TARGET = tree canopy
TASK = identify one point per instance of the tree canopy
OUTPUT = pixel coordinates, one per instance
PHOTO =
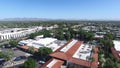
(31, 49)
(88, 36)
(30, 63)
(13, 43)
(6, 55)
(46, 33)
(44, 51)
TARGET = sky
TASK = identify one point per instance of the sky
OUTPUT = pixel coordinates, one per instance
(61, 9)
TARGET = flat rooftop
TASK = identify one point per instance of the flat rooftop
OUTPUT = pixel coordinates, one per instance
(116, 49)
(68, 46)
(52, 43)
(83, 52)
(116, 45)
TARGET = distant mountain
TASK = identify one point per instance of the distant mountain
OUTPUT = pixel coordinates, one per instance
(24, 19)
(47, 19)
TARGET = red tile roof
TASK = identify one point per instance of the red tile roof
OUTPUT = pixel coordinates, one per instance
(27, 47)
(95, 56)
(68, 55)
(24, 47)
(58, 64)
(115, 53)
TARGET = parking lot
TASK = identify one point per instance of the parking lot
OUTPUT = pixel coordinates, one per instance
(17, 64)
(16, 53)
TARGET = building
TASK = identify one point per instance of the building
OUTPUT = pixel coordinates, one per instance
(74, 54)
(98, 36)
(52, 43)
(116, 49)
(17, 32)
(90, 28)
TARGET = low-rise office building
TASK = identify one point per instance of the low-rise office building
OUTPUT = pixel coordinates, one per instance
(52, 43)
(74, 54)
(17, 32)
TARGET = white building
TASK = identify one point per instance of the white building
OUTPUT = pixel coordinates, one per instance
(21, 32)
(52, 43)
(116, 45)
(17, 32)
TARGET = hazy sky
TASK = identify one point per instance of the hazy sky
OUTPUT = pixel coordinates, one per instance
(61, 9)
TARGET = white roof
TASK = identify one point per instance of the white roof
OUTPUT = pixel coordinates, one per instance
(40, 36)
(99, 36)
(116, 45)
(54, 46)
(68, 46)
(83, 51)
(29, 41)
(51, 63)
(45, 41)
(42, 41)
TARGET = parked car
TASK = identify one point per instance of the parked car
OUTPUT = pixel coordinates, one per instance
(1, 61)
(4, 63)
(41, 62)
(15, 49)
(19, 58)
(8, 46)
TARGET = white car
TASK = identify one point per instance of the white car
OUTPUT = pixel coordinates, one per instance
(41, 62)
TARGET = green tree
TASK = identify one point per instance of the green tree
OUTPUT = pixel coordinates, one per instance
(44, 51)
(8, 55)
(32, 35)
(110, 64)
(13, 43)
(109, 36)
(88, 36)
(30, 63)
(1, 55)
(31, 49)
(46, 33)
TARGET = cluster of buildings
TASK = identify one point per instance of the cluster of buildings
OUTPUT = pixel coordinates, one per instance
(73, 54)
(12, 33)
(17, 32)
(52, 43)
(100, 30)
(96, 30)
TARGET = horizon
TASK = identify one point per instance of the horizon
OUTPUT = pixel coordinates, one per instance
(104, 10)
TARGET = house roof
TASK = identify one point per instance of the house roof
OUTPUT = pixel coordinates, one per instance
(95, 56)
(68, 55)
(57, 64)
(115, 53)
(27, 47)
